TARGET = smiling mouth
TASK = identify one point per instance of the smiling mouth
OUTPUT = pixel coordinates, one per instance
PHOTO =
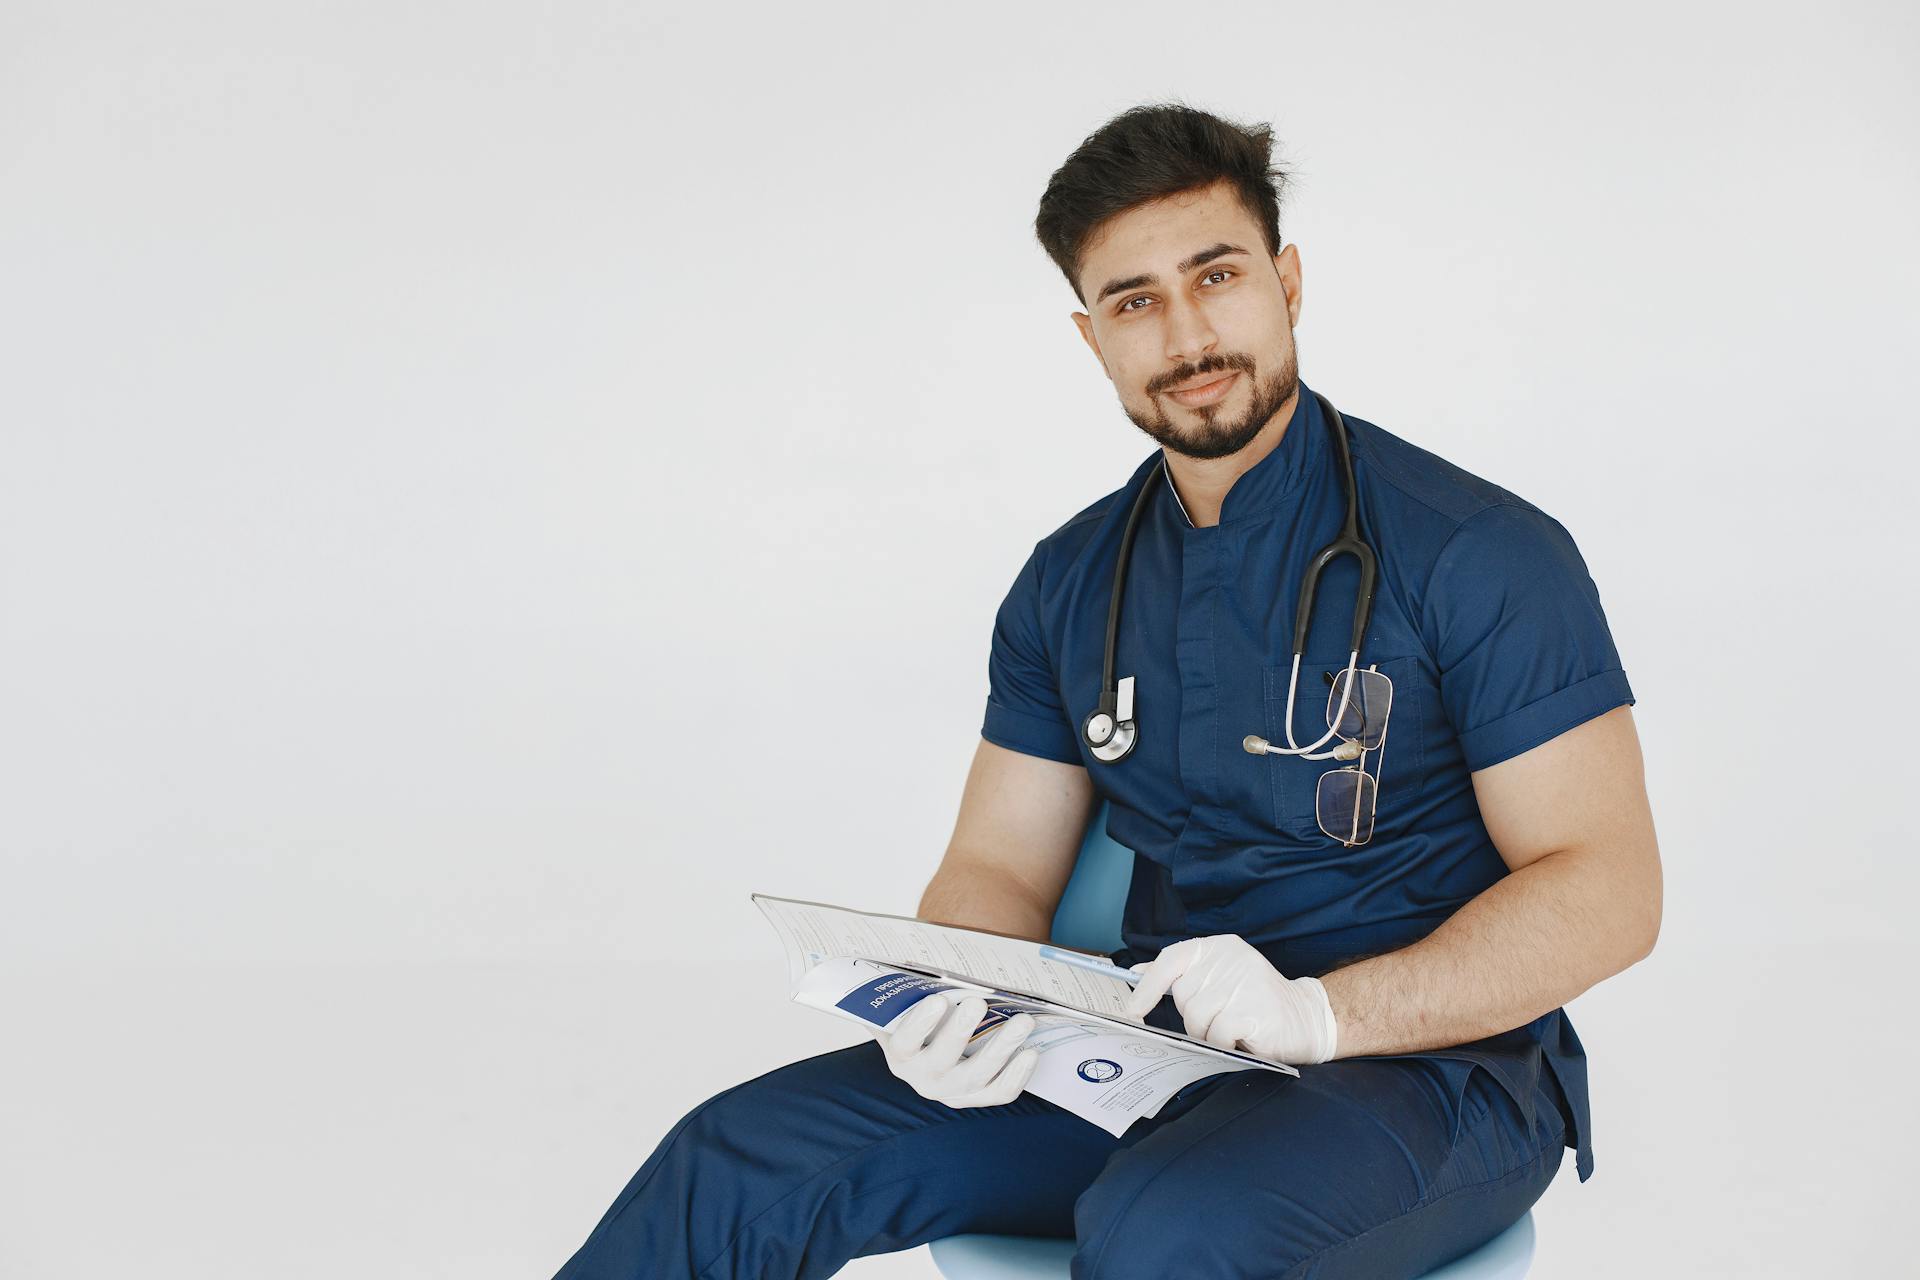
(1208, 392)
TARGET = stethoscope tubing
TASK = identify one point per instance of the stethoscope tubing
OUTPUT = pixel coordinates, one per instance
(1110, 731)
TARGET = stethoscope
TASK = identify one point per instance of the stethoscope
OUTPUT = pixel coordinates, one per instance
(1110, 731)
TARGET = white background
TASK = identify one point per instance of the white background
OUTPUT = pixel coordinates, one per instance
(484, 488)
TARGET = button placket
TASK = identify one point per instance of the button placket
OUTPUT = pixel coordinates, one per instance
(1194, 656)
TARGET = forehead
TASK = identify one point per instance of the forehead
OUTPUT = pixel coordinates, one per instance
(1151, 237)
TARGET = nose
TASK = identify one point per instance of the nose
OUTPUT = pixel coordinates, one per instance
(1190, 334)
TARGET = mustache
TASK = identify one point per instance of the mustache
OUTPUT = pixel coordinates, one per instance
(1188, 372)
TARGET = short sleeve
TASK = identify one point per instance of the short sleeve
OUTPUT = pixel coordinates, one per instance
(1023, 697)
(1515, 626)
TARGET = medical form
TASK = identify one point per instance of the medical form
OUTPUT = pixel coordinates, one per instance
(1092, 1060)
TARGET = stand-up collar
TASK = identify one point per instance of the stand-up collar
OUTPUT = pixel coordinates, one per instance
(1274, 478)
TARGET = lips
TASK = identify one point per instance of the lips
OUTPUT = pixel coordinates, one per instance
(1208, 391)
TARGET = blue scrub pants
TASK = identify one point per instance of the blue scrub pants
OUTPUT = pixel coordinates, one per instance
(1366, 1167)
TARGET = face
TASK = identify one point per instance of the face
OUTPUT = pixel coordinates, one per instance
(1180, 293)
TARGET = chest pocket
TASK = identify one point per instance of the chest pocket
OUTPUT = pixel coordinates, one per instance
(1401, 763)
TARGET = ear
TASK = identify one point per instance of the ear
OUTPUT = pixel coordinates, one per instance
(1286, 265)
(1084, 323)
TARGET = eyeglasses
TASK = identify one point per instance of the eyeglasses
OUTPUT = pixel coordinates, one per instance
(1344, 800)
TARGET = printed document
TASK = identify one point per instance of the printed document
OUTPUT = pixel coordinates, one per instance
(1094, 1061)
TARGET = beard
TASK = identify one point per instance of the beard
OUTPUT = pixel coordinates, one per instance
(1215, 437)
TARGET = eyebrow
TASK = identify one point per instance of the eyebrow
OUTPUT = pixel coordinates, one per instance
(1220, 250)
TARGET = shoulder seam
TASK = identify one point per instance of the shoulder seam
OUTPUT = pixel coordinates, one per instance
(1386, 477)
(1368, 454)
(1517, 503)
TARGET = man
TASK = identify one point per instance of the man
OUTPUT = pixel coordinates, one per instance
(1414, 974)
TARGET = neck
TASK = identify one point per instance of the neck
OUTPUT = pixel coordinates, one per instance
(1202, 483)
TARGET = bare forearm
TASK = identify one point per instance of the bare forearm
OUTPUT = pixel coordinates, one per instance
(1531, 942)
(977, 898)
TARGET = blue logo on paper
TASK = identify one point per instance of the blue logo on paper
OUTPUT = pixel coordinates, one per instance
(1099, 1070)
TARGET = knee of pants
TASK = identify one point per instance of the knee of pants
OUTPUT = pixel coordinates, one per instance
(1188, 1218)
(782, 1121)
(763, 1125)
(723, 1163)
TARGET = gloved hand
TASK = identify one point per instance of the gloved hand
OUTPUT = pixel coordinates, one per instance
(1232, 998)
(934, 1066)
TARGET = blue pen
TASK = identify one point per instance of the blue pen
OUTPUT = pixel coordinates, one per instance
(1090, 964)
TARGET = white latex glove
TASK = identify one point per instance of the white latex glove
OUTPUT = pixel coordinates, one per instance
(934, 1066)
(1232, 998)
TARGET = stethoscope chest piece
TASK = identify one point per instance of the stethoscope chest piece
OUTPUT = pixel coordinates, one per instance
(1110, 731)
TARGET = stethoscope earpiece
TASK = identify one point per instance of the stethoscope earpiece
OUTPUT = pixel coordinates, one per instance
(1255, 745)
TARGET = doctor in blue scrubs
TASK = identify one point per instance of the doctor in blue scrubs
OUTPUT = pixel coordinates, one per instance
(1413, 966)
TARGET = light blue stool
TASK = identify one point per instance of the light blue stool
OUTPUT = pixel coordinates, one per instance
(1089, 918)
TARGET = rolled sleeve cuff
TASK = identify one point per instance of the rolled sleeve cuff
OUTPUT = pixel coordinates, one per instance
(1029, 734)
(1544, 719)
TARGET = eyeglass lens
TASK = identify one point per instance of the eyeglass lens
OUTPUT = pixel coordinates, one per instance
(1344, 804)
(1365, 718)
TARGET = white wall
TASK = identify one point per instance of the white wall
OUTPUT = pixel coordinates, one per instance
(484, 488)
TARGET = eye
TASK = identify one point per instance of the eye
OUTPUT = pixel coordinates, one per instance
(1128, 304)
(1218, 271)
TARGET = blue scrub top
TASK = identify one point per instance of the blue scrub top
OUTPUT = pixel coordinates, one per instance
(1484, 618)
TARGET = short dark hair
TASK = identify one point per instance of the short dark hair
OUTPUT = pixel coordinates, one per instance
(1147, 153)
